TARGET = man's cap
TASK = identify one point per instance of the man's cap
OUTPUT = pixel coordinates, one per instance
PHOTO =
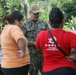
(34, 9)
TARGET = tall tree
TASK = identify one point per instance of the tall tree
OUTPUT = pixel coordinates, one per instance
(26, 8)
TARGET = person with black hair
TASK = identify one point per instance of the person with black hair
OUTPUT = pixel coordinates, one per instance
(55, 62)
(15, 60)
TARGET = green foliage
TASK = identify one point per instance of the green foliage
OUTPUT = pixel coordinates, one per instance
(68, 7)
(16, 5)
(1, 11)
(45, 8)
(7, 6)
(70, 24)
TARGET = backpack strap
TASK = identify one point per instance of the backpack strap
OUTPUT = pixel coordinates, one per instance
(56, 43)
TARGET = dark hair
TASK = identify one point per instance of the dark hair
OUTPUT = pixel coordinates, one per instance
(4, 19)
(55, 17)
(11, 18)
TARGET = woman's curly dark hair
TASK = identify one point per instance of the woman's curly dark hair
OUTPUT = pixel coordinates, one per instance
(55, 17)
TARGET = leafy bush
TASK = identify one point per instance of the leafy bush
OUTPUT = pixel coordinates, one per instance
(70, 24)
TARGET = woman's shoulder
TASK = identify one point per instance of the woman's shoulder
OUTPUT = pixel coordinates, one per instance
(42, 32)
(71, 34)
(13, 27)
(72, 31)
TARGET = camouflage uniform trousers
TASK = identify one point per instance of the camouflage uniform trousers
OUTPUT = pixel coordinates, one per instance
(36, 63)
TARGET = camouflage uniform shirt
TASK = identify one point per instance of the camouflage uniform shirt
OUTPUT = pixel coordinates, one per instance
(31, 29)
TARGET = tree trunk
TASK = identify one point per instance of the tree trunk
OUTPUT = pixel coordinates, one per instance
(26, 8)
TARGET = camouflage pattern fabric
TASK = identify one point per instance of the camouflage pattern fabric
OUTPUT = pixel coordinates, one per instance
(30, 30)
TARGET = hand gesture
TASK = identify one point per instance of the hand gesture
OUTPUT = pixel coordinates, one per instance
(20, 53)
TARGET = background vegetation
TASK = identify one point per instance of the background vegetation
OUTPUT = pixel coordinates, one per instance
(68, 7)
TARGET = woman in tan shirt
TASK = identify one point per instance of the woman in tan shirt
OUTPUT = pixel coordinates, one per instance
(15, 59)
(1, 73)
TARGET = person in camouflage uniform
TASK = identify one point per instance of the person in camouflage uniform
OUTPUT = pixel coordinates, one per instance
(31, 27)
